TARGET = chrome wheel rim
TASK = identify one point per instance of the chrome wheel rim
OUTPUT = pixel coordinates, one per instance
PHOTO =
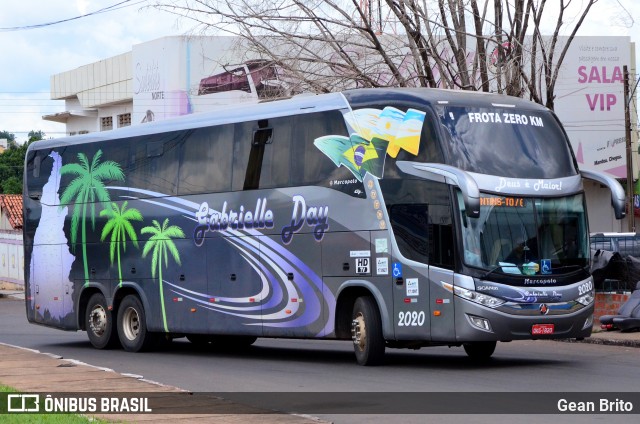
(359, 332)
(98, 320)
(130, 323)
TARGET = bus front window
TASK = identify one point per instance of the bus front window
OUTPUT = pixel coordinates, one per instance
(530, 236)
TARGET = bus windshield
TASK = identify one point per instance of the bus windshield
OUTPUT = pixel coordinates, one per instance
(529, 236)
(506, 141)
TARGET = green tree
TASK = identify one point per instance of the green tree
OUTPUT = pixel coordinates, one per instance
(11, 165)
(161, 244)
(12, 185)
(119, 226)
(86, 188)
(35, 136)
(9, 136)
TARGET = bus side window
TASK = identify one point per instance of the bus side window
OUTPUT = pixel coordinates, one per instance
(267, 158)
(154, 160)
(410, 224)
(309, 166)
(441, 241)
(262, 137)
(38, 172)
(276, 168)
(206, 161)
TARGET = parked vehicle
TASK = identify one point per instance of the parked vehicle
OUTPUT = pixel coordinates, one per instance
(627, 244)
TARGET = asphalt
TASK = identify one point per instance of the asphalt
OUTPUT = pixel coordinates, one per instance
(31, 371)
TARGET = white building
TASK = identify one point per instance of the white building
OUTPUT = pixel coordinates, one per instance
(174, 76)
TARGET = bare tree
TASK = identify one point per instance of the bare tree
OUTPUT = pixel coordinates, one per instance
(329, 45)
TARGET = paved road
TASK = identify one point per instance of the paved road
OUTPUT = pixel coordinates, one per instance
(294, 366)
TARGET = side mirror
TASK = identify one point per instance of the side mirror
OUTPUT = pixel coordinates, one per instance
(618, 197)
(449, 175)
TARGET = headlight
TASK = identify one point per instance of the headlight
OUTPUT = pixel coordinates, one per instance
(586, 299)
(474, 296)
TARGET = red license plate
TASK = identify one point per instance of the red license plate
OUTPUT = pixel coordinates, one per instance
(542, 329)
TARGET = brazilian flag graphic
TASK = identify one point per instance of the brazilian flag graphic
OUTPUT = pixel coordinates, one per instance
(356, 153)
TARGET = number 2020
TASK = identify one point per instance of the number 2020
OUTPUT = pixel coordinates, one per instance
(411, 319)
(585, 288)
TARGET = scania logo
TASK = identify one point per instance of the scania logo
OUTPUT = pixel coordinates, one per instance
(544, 309)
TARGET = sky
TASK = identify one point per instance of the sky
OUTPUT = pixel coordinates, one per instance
(29, 57)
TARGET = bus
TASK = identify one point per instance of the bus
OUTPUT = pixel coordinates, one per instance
(394, 218)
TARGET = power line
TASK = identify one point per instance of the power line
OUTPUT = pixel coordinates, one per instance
(113, 7)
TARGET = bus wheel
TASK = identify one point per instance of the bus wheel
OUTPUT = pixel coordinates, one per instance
(99, 323)
(132, 326)
(366, 332)
(479, 350)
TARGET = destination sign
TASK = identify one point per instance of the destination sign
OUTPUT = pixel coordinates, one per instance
(513, 202)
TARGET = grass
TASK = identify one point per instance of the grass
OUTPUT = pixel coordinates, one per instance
(44, 417)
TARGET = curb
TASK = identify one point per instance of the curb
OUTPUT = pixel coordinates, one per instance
(606, 341)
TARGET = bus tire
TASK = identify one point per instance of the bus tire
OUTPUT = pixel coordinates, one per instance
(99, 323)
(132, 326)
(479, 351)
(366, 332)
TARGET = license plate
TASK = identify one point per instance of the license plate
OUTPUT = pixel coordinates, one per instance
(542, 329)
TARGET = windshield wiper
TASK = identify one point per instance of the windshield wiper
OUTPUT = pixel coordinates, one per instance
(491, 271)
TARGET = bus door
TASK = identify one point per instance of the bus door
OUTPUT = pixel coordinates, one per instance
(409, 271)
(424, 235)
(410, 300)
(441, 304)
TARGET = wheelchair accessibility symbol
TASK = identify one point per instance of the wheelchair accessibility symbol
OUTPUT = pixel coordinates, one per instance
(546, 266)
(397, 270)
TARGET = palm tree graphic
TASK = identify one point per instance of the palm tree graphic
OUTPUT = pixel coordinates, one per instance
(119, 226)
(85, 189)
(161, 244)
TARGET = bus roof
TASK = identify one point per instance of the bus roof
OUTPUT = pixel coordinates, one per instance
(412, 97)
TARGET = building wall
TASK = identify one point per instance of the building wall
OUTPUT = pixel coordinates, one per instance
(599, 211)
(97, 84)
(607, 304)
(11, 260)
(114, 112)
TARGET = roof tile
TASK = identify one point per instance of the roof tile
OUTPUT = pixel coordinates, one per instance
(11, 204)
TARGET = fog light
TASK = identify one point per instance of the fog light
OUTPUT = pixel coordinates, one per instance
(588, 322)
(480, 323)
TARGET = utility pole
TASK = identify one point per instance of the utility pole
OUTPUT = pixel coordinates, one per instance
(627, 135)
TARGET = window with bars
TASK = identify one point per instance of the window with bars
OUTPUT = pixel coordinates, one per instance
(106, 123)
(124, 120)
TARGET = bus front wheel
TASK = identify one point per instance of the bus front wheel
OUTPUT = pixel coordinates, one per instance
(99, 323)
(132, 326)
(366, 332)
(479, 350)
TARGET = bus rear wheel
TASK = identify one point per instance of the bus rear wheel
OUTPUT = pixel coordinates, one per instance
(99, 323)
(366, 332)
(132, 326)
(480, 351)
